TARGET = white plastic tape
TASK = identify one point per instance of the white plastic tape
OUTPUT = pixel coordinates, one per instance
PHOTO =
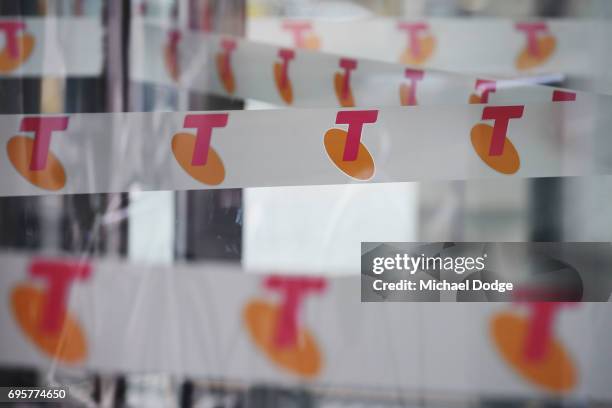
(97, 153)
(472, 45)
(231, 66)
(212, 320)
(50, 46)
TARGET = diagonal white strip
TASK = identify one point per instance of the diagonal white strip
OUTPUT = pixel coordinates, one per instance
(311, 74)
(469, 45)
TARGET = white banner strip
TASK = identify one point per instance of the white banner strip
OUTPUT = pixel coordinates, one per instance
(473, 45)
(50, 46)
(214, 321)
(234, 67)
(97, 153)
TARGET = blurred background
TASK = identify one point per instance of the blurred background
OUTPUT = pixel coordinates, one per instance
(288, 229)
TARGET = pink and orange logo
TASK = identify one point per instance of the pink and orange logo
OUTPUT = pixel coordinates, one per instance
(171, 54)
(530, 347)
(42, 315)
(421, 43)
(194, 152)
(224, 65)
(492, 144)
(342, 82)
(18, 47)
(276, 330)
(32, 158)
(483, 89)
(281, 75)
(540, 47)
(408, 91)
(344, 147)
(303, 35)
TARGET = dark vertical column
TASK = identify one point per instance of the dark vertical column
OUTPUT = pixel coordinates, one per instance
(546, 209)
(119, 400)
(19, 219)
(80, 211)
(552, 8)
(213, 218)
(546, 194)
(209, 222)
(186, 394)
(81, 226)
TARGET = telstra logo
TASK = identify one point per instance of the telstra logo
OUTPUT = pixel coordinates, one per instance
(342, 82)
(529, 346)
(540, 45)
(194, 153)
(303, 37)
(18, 47)
(171, 57)
(491, 143)
(276, 330)
(224, 65)
(345, 149)
(421, 44)
(483, 89)
(408, 91)
(42, 314)
(32, 158)
(281, 75)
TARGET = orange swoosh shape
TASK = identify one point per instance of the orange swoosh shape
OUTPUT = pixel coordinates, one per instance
(19, 150)
(554, 372)
(212, 173)
(285, 92)
(360, 169)
(427, 44)
(507, 163)
(546, 44)
(26, 46)
(347, 102)
(229, 84)
(67, 345)
(302, 358)
(171, 63)
(404, 91)
(312, 42)
(475, 99)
